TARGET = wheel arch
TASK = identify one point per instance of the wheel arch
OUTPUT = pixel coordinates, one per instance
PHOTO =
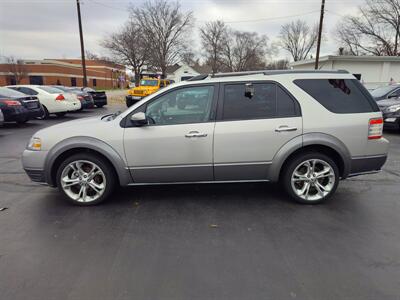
(75, 145)
(318, 142)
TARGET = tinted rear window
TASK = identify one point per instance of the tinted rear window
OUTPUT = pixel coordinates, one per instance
(343, 96)
(269, 101)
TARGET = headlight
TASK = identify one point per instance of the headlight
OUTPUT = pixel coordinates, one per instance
(34, 144)
(393, 108)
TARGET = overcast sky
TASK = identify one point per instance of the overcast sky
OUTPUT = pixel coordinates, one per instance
(48, 28)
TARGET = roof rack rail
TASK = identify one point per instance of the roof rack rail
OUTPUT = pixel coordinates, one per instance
(278, 72)
(198, 77)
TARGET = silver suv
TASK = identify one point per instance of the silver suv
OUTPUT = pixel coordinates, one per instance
(306, 129)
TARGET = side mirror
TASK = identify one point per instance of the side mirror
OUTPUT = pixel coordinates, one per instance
(249, 90)
(139, 119)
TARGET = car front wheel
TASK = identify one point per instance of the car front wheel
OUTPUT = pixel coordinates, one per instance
(311, 178)
(85, 179)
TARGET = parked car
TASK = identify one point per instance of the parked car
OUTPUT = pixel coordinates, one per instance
(147, 86)
(386, 92)
(99, 97)
(53, 100)
(18, 107)
(1, 117)
(306, 129)
(85, 98)
(391, 112)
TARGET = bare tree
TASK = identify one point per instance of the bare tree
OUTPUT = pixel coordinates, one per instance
(166, 29)
(214, 36)
(281, 64)
(129, 47)
(16, 68)
(376, 29)
(298, 38)
(244, 51)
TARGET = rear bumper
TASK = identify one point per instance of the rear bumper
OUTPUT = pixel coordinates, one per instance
(87, 104)
(100, 101)
(130, 100)
(35, 113)
(15, 114)
(366, 164)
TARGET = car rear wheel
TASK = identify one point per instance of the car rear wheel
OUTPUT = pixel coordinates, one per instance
(311, 178)
(99, 105)
(85, 179)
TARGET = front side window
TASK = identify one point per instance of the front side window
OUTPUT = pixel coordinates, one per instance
(27, 91)
(269, 100)
(338, 95)
(183, 106)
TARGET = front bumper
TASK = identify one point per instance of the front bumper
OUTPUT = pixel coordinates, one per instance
(130, 100)
(33, 163)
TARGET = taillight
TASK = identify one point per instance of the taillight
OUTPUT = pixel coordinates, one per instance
(60, 97)
(375, 128)
(11, 102)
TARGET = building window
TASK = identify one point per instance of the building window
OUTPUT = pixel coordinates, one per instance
(36, 80)
(73, 81)
(94, 82)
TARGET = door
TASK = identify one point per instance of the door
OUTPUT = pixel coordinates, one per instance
(176, 145)
(254, 121)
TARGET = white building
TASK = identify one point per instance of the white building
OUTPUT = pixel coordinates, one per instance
(374, 71)
(181, 72)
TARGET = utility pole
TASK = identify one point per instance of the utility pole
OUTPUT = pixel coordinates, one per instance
(321, 20)
(78, 7)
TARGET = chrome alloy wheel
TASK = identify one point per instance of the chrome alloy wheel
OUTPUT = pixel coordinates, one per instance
(313, 179)
(83, 181)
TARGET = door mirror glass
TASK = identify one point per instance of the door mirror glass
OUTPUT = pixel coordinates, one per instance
(139, 119)
(249, 91)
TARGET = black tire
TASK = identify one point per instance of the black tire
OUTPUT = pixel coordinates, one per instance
(61, 114)
(99, 105)
(293, 163)
(45, 114)
(105, 167)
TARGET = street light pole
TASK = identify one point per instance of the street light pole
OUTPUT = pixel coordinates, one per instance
(78, 7)
(321, 20)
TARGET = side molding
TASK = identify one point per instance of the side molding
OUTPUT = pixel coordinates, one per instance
(92, 144)
(305, 140)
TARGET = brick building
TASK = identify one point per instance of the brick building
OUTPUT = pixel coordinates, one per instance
(68, 72)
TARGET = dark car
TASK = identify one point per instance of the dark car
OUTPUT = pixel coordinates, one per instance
(1, 118)
(386, 92)
(391, 112)
(99, 98)
(18, 107)
(85, 98)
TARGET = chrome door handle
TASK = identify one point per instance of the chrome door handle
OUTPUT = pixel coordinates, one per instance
(285, 128)
(195, 134)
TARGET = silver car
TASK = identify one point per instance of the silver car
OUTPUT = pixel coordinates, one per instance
(1, 118)
(306, 129)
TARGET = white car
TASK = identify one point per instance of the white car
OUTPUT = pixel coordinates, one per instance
(53, 100)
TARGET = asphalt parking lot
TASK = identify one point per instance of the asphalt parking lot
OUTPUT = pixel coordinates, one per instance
(228, 241)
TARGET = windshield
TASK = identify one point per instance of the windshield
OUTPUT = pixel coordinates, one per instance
(147, 82)
(381, 91)
(5, 92)
(50, 89)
